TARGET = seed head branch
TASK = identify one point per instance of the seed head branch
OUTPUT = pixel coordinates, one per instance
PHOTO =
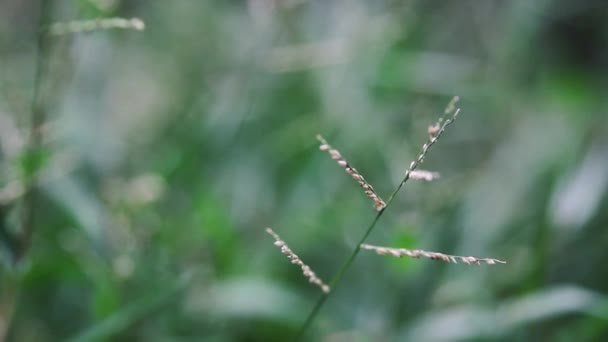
(306, 270)
(417, 253)
(79, 26)
(435, 131)
(379, 204)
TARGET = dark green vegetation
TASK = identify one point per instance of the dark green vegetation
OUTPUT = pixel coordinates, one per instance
(139, 169)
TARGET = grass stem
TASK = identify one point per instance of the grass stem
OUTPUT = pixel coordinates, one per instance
(38, 118)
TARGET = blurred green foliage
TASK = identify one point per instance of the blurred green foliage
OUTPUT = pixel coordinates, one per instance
(165, 153)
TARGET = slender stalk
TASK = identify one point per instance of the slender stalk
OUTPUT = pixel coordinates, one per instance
(336, 279)
(433, 137)
(38, 118)
(9, 299)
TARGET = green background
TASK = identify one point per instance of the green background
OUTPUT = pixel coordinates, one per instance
(164, 154)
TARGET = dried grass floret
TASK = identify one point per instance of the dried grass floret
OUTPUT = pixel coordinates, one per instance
(417, 253)
(306, 270)
(379, 204)
(424, 175)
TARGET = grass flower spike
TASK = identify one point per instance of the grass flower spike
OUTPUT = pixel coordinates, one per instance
(379, 204)
(434, 133)
(306, 270)
(417, 253)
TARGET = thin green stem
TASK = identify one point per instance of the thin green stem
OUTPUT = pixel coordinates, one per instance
(38, 117)
(9, 300)
(346, 265)
(336, 279)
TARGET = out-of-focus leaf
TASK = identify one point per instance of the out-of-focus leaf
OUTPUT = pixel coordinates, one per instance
(128, 315)
(470, 322)
(248, 298)
(81, 204)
